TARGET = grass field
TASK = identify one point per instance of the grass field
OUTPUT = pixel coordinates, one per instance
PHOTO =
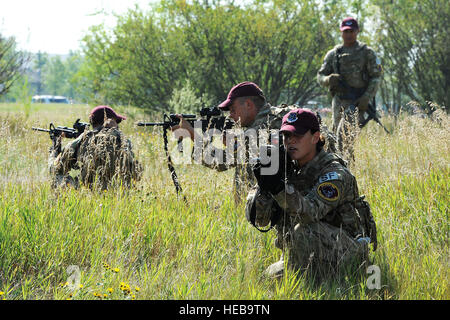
(145, 243)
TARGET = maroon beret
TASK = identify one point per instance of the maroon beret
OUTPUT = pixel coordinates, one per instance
(243, 89)
(300, 121)
(349, 23)
(101, 111)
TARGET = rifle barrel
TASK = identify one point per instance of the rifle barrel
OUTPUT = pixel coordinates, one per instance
(188, 116)
(149, 124)
(40, 129)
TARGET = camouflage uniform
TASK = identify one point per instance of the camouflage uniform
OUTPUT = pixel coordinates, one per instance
(361, 69)
(321, 224)
(268, 118)
(102, 156)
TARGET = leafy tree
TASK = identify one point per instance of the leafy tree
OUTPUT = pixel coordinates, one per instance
(12, 63)
(72, 66)
(138, 63)
(413, 38)
(212, 44)
(279, 45)
(185, 100)
(55, 79)
(40, 60)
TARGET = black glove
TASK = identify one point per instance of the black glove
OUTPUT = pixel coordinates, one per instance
(269, 176)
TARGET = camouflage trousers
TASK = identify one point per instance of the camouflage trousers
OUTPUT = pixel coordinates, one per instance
(322, 250)
(345, 126)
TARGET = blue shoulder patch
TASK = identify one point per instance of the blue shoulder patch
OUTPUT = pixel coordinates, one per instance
(329, 176)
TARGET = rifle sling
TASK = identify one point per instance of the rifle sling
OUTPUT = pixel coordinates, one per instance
(173, 174)
(273, 219)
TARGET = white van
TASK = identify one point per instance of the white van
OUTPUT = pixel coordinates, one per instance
(49, 99)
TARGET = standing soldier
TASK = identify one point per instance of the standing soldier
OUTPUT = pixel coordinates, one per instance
(352, 73)
(102, 155)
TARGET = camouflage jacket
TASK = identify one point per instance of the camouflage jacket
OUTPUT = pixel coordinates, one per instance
(323, 190)
(359, 67)
(100, 155)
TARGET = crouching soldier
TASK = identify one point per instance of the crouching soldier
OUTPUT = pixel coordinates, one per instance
(102, 155)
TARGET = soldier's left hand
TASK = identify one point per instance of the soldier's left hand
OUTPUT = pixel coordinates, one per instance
(362, 103)
(183, 125)
(272, 182)
(333, 81)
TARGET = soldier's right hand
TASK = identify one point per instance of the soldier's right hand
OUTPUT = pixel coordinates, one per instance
(269, 180)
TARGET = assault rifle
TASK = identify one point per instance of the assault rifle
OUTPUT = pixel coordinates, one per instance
(270, 182)
(371, 115)
(210, 118)
(55, 132)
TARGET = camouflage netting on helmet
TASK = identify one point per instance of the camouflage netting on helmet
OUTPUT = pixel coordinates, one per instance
(106, 159)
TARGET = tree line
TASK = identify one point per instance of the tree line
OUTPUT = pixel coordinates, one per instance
(44, 74)
(181, 55)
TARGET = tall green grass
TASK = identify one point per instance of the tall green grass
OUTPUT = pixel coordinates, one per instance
(162, 248)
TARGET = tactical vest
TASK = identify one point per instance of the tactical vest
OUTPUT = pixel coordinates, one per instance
(349, 92)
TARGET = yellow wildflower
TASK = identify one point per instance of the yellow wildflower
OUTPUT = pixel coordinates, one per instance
(125, 288)
(137, 289)
(116, 270)
(110, 290)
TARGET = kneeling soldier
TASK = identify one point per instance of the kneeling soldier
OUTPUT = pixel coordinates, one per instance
(102, 155)
(325, 224)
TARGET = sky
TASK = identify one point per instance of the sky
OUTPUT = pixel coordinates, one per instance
(57, 26)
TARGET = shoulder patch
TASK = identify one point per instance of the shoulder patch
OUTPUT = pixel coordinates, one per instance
(328, 191)
(329, 176)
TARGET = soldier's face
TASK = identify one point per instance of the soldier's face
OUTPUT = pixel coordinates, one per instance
(301, 147)
(349, 36)
(242, 111)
